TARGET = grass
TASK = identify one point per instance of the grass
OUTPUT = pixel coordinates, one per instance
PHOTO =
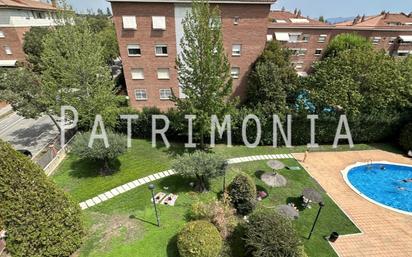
(134, 212)
(82, 180)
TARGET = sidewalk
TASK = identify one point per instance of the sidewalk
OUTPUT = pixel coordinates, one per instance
(5, 110)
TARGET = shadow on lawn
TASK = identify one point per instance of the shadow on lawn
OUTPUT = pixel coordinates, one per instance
(87, 169)
(175, 184)
(172, 247)
(142, 220)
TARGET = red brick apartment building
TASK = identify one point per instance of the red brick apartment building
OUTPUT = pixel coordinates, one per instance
(16, 18)
(307, 38)
(149, 33)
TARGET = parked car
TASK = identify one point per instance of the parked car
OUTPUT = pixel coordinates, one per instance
(26, 152)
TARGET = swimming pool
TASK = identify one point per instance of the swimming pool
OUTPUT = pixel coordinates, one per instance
(382, 183)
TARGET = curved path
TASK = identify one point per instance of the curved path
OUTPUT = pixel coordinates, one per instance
(143, 181)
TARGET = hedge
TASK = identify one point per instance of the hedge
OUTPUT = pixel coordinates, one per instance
(40, 219)
(199, 239)
(405, 138)
(242, 192)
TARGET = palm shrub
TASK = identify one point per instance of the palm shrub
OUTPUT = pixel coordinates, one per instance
(200, 165)
(199, 239)
(98, 151)
(269, 234)
(40, 219)
(242, 193)
(405, 138)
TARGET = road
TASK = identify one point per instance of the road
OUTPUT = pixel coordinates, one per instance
(27, 134)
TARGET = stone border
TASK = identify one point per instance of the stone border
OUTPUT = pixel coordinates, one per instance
(143, 181)
(346, 171)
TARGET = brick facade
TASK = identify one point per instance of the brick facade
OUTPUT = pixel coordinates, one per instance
(249, 31)
(13, 38)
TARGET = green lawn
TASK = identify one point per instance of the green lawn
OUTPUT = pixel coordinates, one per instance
(123, 226)
(82, 181)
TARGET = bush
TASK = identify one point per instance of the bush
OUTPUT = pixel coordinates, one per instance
(405, 138)
(268, 234)
(242, 192)
(99, 152)
(200, 165)
(40, 219)
(199, 239)
(220, 214)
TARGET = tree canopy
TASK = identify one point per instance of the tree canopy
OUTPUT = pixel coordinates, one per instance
(203, 68)
(347, 41)
(40, 219)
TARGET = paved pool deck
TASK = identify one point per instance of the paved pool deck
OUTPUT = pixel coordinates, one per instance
(384, 232)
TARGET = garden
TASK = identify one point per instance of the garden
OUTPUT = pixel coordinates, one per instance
(126, 224)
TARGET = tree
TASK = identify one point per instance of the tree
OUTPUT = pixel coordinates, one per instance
(322, 19)
(242, 193)
(203, 68)
(108, 40)
(405, 138)
(199, 239)
(347, 41)
(201, 166)
(33, 45)
(273, 82)
(268, 234)
(40, 219)
(108, 12)
(356, 82)
(73, 72)
(99, 152)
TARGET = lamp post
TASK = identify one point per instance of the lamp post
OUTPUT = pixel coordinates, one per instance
(152, 187)
(321, 205)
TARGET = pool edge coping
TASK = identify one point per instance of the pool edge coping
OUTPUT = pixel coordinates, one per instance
(345, 172)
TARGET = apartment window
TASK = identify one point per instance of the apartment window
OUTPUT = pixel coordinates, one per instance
(137, 73)
(2, 35)
(403, 53)
(161, 50)
(279, 21)
(163, 73)
(376, 40)
(236, 49)
(140, 94)
(305, 38)
(134, 50)
(165, 94)
(129, 22)
(236, 20)
(294, 37)
(8, 51)
(298, 51)
(392, 40)
(298, 65)
(159, 22)
(235, 71)
(318, 51)
(322, 38)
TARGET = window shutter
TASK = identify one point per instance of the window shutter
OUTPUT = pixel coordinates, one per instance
(159, 22)
(129, 22)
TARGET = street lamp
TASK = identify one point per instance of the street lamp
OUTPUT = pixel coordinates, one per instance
(152, 187)
(321, 205)
(224, 168)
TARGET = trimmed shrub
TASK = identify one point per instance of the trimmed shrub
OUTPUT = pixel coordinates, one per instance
(405, 138)
(199, 239)
(269, 234)
(242, 192)
(40, 219)
(220, 214)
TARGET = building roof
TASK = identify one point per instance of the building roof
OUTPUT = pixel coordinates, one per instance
(210, 1)
(26, 4)
(383, 20)
(289, 19)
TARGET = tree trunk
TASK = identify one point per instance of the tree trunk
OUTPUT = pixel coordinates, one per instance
(201, 185)
(55, 123)
(105, 169)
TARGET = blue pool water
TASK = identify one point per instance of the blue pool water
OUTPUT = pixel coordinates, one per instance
(383, 183)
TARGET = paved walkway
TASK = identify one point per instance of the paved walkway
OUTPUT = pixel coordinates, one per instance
(385, 232)
(143, 181)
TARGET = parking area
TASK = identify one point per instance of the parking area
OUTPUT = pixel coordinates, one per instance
(28, 134)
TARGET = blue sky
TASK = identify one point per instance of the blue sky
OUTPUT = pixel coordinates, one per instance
(313, 8)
